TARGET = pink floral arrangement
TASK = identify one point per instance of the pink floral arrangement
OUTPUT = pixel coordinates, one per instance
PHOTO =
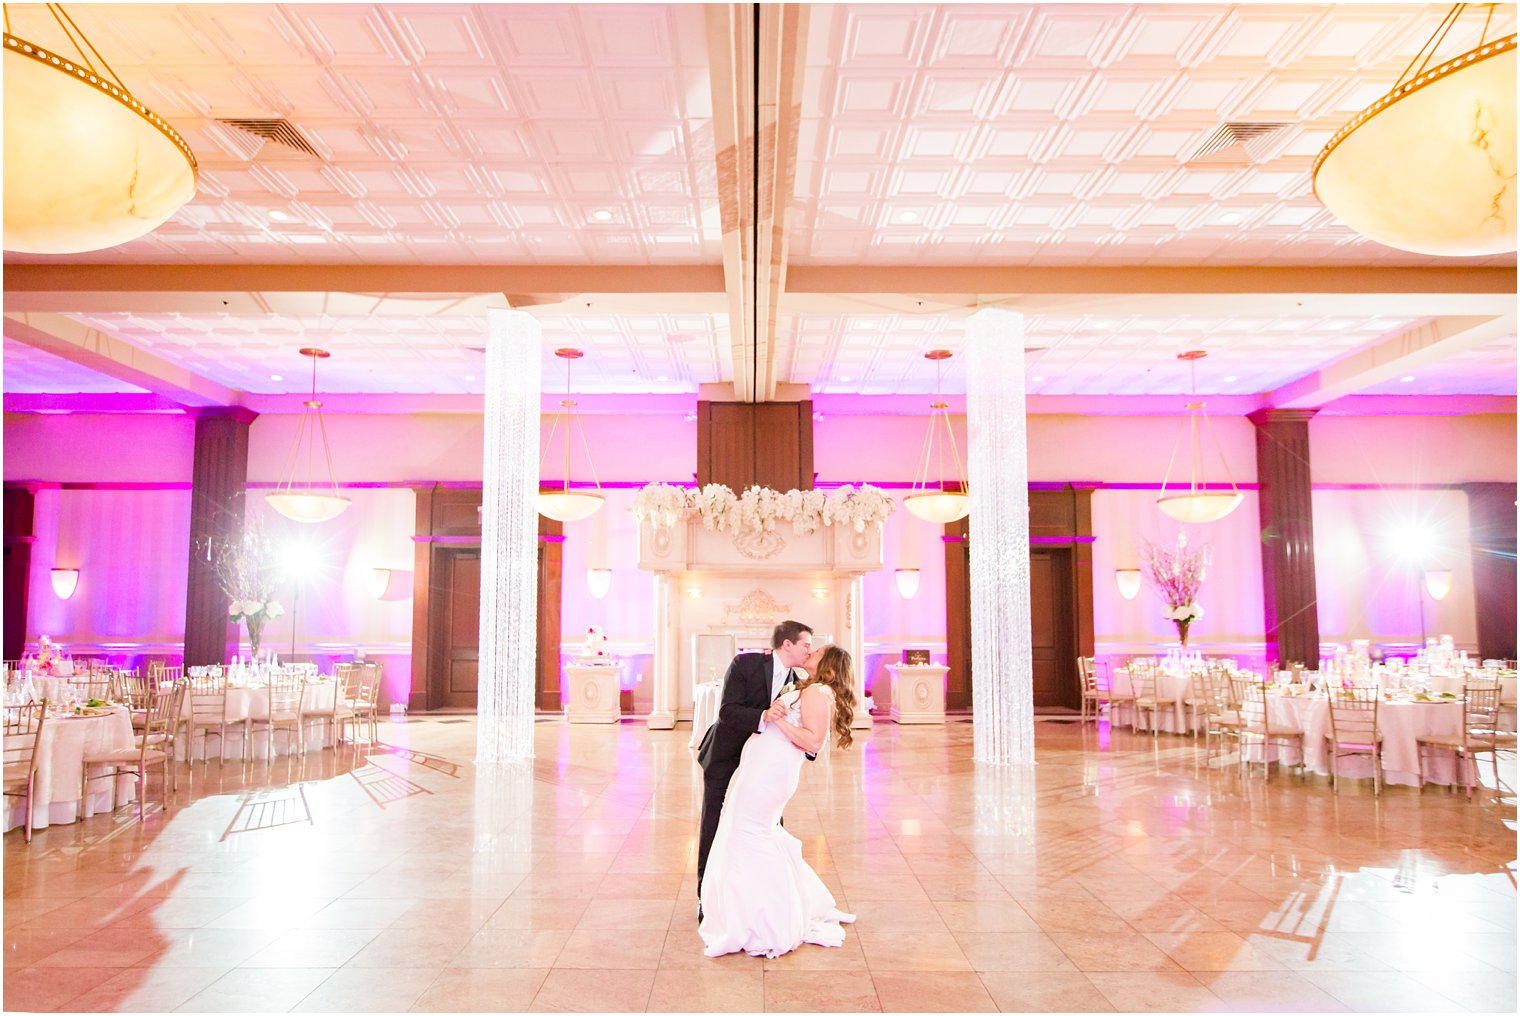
(1177, 575)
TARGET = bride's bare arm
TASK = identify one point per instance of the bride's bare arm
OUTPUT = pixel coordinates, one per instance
(817, 709)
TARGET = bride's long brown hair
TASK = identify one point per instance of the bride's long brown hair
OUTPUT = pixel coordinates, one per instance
(836, 673)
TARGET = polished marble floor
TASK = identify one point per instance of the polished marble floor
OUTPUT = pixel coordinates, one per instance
(1121, 873)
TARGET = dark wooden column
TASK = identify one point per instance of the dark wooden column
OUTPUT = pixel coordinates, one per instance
(1287, 535)
(740, 444)
(217, 486)
(1491, 518)
(20, 504)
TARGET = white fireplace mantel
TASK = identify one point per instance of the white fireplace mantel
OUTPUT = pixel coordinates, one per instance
(708, 581)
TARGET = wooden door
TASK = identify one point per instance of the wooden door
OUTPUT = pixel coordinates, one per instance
(456, 663)
(1050, 611)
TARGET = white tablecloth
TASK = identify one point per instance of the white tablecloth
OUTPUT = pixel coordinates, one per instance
(706, 700)
(60, 756)
(1401, 724)
(253, 704)
(1169, 685)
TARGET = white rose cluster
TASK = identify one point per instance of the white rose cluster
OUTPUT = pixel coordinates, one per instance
(761, 508)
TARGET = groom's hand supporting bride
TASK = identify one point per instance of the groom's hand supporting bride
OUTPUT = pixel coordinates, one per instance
(777, 711)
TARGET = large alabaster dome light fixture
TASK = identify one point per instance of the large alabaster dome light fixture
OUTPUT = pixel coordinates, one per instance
(1430, 167)
(1197, 503)
(87, 166)
(936, 503)
(566, 505)
(308, 503)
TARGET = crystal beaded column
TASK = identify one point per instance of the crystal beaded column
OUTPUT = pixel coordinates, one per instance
(1002, 664)
(509, 541)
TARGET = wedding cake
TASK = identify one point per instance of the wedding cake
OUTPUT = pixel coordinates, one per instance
(594, 650)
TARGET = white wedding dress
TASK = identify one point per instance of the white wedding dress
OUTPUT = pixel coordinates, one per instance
(758, 895)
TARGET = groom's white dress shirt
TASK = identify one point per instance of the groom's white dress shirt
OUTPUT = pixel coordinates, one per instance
(780, 673)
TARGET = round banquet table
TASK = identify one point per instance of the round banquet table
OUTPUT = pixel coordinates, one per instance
(707, 698)
(1169, 685)
(1400, 723)
(251, 703)
(60, 768)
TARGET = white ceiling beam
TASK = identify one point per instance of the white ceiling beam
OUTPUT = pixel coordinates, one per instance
(1398, 292)
(783, 39)
(731, 77)
(89, 347)
(1402, 352)
(370, 290)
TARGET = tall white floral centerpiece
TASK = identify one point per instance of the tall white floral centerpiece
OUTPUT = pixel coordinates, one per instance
(759, 509)
(1176, 574)
(247, 570)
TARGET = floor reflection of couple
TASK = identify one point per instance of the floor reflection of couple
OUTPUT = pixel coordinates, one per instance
(778, 709)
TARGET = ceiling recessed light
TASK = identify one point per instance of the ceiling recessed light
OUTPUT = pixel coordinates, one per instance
(1230, 217)
(1037, 379)
(276, 377)
(1407, 378)
(279, 216)
(602, 215)
(846, 378)
(662, 377)
(907, 217)
(1230, 379)
(469, 377)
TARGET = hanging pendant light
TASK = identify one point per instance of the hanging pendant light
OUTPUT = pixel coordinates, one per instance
(937, 504)
(566, 505)
(308, 503)
(1430, 167)
(1198, 504)
(87, 166)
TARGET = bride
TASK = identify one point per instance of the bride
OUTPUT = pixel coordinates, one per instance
(758, 895)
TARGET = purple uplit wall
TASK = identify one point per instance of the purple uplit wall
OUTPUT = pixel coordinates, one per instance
(130, 545)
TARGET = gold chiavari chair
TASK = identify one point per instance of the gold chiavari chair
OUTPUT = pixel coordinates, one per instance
(1222, 718)
(207, 715)
(1354, 731)
(23, 733)
(154, 748)
(1087, 670)
(91, 685)
(1479, 733)
(1256, 726)
(287, 702)
(1143, 677)
(366, 702)
(333, 716)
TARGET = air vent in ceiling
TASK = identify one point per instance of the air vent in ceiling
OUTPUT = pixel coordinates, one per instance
(1239, 142)
(278, 130)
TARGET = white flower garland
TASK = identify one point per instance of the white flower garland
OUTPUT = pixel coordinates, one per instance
(760, 508)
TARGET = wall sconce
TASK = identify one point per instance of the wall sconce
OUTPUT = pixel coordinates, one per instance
(907, 583)
(820, 592)
(65, 581)
(379, 582)
(598, 580)
(1128, 581)
(1437, 584)
(695, 592)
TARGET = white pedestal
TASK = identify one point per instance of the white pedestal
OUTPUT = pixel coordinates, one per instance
(594, 695)
(918, 693)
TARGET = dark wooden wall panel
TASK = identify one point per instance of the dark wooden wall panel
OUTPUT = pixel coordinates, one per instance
(217, 484)
(20, 509)
(1491, 515)
(1289, 596)
(1061, 519)
(741, 444)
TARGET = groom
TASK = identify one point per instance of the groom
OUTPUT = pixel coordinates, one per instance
(750, 688)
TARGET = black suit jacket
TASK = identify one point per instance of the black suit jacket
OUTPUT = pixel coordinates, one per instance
(746, 697)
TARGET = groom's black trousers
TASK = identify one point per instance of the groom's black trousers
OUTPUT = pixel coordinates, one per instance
(715, 780)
